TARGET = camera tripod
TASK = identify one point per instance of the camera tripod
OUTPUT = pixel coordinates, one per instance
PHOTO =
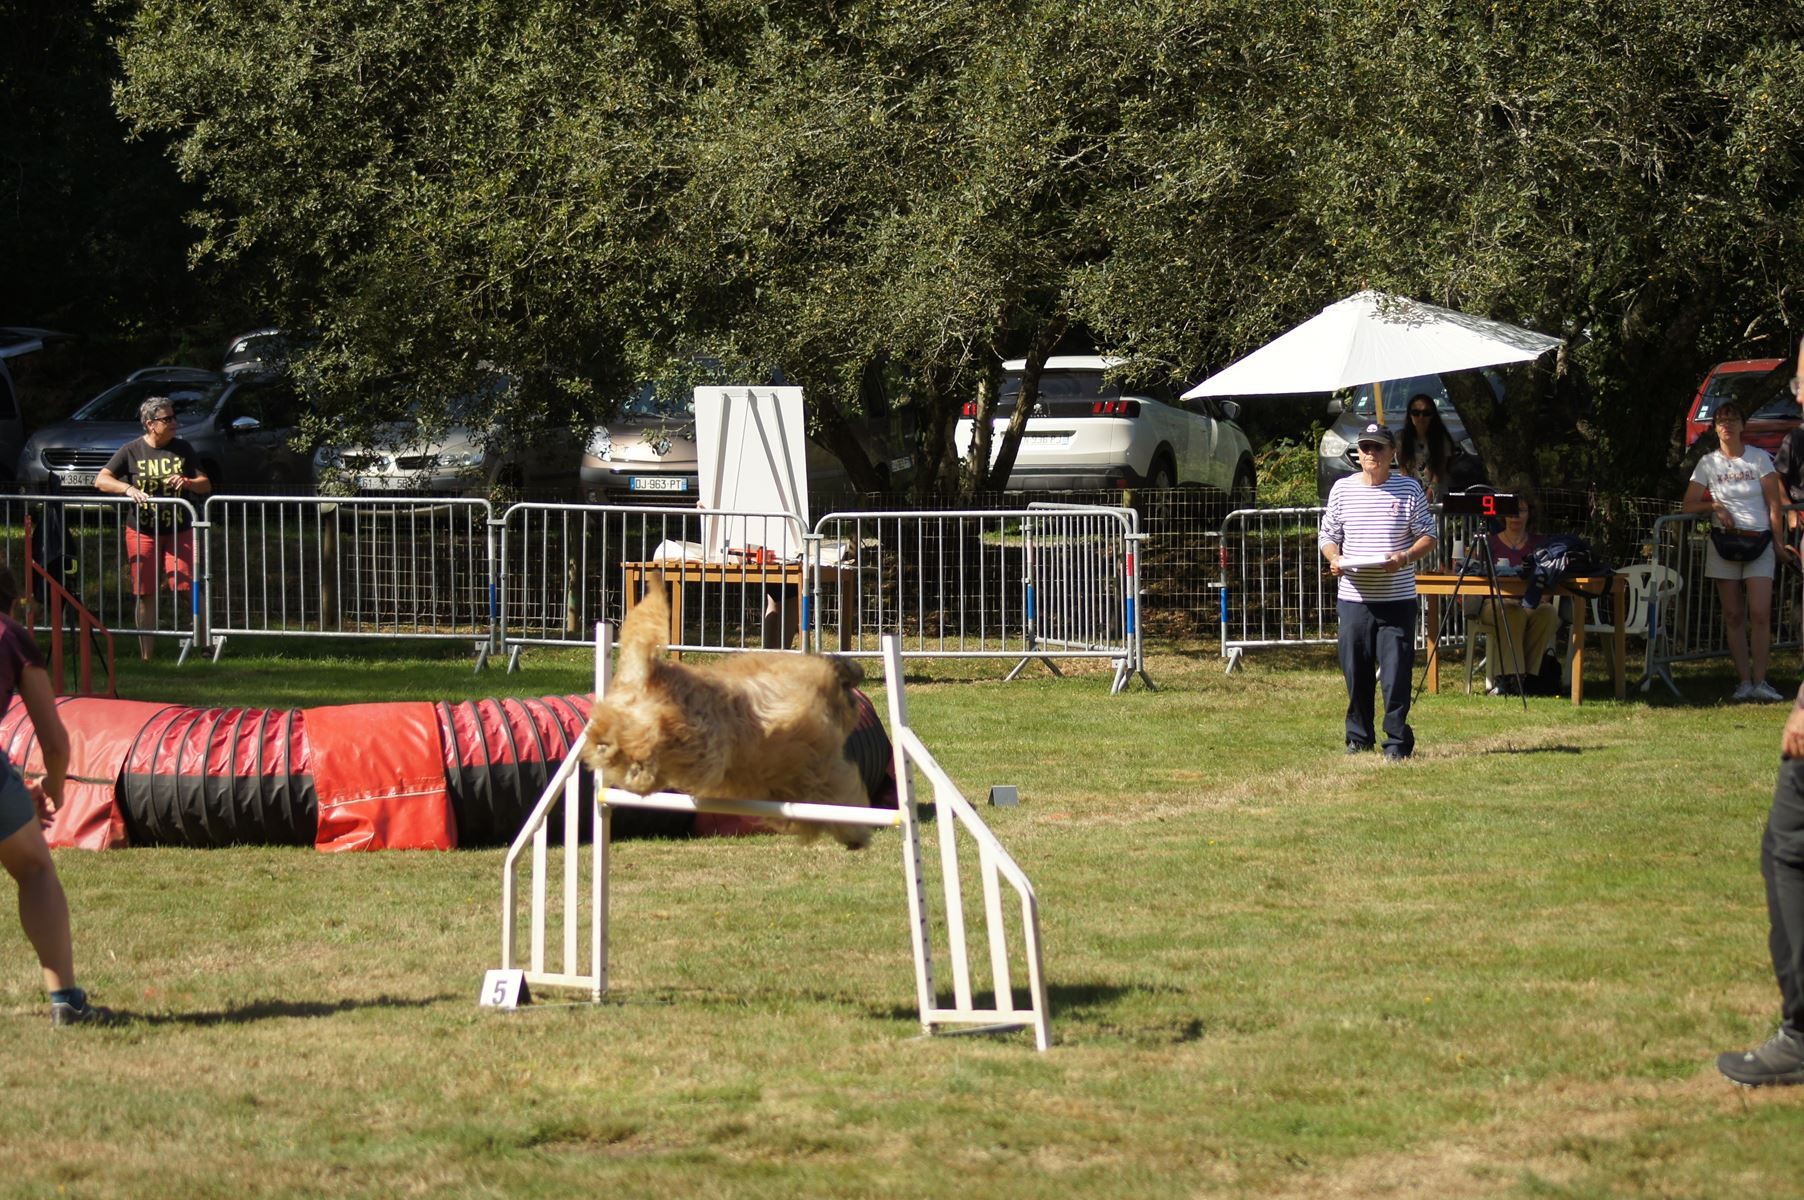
(1481, 564)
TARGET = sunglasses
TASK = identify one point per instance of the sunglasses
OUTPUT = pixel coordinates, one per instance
(162, 420)
(1372, 447)
(1420, 412)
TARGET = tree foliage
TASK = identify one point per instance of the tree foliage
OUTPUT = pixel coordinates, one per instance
(883, 201)
(92, 240)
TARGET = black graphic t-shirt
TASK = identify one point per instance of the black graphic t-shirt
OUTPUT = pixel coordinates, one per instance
(154, 472)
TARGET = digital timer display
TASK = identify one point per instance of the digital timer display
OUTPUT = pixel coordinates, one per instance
(1481, 504)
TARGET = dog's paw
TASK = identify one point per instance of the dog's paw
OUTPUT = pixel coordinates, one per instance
(640, 777)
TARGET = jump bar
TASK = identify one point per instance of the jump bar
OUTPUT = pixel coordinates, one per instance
(832, 814)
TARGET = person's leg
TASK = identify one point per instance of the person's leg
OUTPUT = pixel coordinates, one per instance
(1540, 624)
(782, 617)
(1735, 625)
(1760, 625)
(1780, 1059)
(178, 562)
(1395, 638)
(1782, 866)
(1516, 618)
(141, 562)
(1357, 665)
(1485, 625)
(43, 909)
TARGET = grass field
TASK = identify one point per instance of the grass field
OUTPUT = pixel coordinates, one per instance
(1501, 969)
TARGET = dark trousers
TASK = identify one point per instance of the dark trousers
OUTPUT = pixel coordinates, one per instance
(1782, 865)
(1378, 639)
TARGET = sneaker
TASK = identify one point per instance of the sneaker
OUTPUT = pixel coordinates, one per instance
(63, 1013)
(1765, 691)
(1743, 691)
(1393, 755)
(1779, 1061)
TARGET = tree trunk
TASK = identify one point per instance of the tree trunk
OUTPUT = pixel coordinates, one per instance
(974, 472)
(1041, 350)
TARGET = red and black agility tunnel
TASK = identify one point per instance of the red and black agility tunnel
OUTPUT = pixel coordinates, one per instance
(410, 775)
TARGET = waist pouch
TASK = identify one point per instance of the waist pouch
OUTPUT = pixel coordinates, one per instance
(1740, 545)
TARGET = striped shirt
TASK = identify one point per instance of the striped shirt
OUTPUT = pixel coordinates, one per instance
(1363, 520)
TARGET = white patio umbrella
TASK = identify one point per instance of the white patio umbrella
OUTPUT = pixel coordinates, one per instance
(1370, 337)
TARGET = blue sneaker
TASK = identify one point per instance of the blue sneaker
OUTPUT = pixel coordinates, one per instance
(63, 1012)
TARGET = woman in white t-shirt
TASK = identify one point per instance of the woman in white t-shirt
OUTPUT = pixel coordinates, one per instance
(1737, 485)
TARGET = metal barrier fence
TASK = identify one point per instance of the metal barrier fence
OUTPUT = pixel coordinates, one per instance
(1275, 589)
(95, 545)
(564, 568)
(1684, 611)
(389, 567)
(1046, 582)
(1035, 583)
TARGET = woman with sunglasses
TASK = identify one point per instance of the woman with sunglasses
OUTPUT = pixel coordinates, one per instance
(1427, 450)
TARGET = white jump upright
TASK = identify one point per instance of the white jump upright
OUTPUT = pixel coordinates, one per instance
(955, 815)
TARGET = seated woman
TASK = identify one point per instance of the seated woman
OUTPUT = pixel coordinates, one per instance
(1513, 654)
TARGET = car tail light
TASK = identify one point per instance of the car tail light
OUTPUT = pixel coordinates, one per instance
(1114, 408)
(969, 410)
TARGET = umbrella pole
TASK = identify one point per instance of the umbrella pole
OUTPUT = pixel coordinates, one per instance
(1378, 399)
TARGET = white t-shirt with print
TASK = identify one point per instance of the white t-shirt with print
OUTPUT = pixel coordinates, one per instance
(1734, 483)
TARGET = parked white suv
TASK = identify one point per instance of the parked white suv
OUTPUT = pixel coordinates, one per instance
(1087, 433)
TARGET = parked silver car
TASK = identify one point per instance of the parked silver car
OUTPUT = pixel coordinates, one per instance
(647, 455)
(241, 429)
(465, 455)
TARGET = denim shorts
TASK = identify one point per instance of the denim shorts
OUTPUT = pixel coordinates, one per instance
(16, 807)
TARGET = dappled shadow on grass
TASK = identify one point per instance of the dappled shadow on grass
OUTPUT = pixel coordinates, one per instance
(266, 1010)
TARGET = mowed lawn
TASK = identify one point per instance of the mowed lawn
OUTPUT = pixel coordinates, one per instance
(1502, 969)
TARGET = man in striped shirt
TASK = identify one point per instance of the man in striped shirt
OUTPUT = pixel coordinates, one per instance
(1379, 522)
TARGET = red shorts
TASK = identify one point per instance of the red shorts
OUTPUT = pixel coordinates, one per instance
(175, 550)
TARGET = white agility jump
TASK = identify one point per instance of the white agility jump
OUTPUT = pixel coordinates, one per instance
(954, 815)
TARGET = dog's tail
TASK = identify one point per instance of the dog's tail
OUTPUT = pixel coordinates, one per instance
(643, 635)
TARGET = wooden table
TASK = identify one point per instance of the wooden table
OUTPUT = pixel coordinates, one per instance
(1433, 585)
(745, 574)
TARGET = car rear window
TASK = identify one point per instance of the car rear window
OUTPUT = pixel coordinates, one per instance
(1763, 393)
(120, 403)
(1062, 385)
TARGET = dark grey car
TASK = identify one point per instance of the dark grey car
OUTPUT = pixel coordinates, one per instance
(240, 428)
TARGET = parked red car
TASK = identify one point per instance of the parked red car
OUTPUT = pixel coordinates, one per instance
(1760, 387)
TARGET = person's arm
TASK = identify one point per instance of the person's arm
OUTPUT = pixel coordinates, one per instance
(1332, 531)
(1699, 500)
(1791, 741)
(1421, 523)
(109, 482)
(194, 479)
(1420, 549)
(53, 738)
(1786, 463)
(1775, 513)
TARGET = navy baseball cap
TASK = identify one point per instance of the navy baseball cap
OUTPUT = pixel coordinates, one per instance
(1376, 432)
